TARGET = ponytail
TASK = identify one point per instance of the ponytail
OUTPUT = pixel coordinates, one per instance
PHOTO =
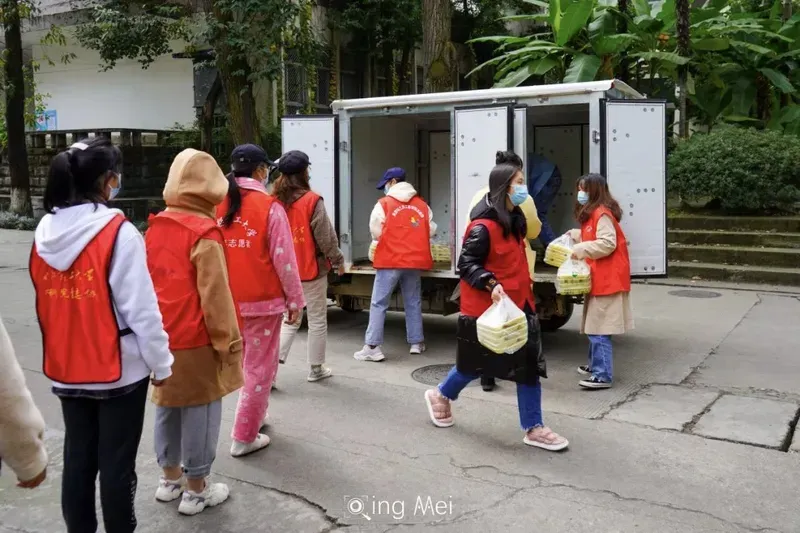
(75, 175)
(234, 200)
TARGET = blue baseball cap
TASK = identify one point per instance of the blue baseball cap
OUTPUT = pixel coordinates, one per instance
(249, 156)
(395, 173)
(293, 162)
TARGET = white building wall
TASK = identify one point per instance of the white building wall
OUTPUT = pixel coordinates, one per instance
(84, 97)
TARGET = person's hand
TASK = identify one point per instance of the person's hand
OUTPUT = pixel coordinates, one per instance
(33, 483)
(498, 293)
(341, 271)
(157, 382)
(294, 316)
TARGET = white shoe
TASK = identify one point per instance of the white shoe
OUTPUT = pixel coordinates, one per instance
(240, 449)
(168, 490)
(370, 354)
(418, 348)
(193, 503)
(319, 372)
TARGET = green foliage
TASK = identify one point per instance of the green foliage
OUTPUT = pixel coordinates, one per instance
(12, 221)
(746, 170)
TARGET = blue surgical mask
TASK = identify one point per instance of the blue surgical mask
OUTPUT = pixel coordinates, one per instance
(583, 197)
(519, 195)
(386, 189)
(115, 190)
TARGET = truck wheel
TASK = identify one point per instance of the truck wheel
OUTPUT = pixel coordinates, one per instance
(555, 321)
(349, 304)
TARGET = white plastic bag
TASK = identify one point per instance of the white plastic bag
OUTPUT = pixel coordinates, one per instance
(559, 251)
(503, 328)
(574, 278)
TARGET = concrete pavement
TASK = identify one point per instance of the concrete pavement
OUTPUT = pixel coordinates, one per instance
(642, 457)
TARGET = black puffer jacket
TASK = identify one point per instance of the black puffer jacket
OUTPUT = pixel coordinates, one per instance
(528, 364)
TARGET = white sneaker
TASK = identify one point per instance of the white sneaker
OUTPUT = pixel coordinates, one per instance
(193, 503)
(240, 449)
(319, 372)
(168, 490)
(370, 354)
(418, 348)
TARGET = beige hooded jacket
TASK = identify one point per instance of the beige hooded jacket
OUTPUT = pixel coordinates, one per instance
(21, 423)
(196, 185)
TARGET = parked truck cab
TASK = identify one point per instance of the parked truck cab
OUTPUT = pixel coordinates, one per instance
(447, 143)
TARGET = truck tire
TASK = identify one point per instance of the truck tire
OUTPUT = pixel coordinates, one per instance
(349, 304)
(555, 321)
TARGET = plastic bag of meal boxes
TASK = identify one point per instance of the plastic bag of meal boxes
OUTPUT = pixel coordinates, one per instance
(559, 251)
(503, 328)
(440, 250)
(574, 278)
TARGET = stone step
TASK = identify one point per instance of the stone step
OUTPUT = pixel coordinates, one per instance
(734, 238)
(736, 255)
(696, 222)
(735, 273)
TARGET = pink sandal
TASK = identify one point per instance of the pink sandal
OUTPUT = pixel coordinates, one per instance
(546, 439)
(438, 408)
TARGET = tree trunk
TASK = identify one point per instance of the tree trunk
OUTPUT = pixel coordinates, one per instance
(242, 116)
(436, 45)
(682, 25)
(405, 69)
(388, 70)
(15, 111)
(207, 115)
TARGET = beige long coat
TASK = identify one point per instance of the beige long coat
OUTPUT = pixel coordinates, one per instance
(603, 315)
(196, 185)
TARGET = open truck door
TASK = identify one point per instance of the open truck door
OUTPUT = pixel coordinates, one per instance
(478, 133)
(316, 136)
(633, 159)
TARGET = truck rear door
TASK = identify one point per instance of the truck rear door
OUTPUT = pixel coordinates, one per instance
(478, 133)
(633, 159)
(316, 136)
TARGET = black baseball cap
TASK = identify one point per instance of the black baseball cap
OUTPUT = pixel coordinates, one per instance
(293, 162)
(394, 173)
(247, 156)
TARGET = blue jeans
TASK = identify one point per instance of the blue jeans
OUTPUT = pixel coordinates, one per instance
(543, 200)
(386, 281)
(600, 357)
(529, 397)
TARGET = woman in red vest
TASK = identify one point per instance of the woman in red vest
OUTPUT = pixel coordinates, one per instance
(493, 264)
(102, 332)
(265, 284)
(317, 248)
(186, 257)
(607, 308)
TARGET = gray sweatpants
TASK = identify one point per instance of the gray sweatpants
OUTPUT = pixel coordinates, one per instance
(188, 436)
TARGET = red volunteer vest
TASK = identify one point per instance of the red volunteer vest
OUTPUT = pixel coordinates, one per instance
(405, 241)
(252, 275)
(80, 301)
(611, 274)
(508, 262)
(169, 240)
(305, 248)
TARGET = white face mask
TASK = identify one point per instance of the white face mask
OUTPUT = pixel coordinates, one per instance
(115, 190)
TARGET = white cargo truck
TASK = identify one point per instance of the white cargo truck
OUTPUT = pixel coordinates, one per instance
(447, 142)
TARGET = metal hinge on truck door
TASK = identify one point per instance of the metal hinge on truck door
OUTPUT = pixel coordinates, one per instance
(343, 146)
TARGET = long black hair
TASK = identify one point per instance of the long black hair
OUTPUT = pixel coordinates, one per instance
(239, 170)
(500, 180)
(75, 174)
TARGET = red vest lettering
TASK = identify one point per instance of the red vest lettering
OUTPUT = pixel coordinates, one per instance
(305, 248)
(508, 261)
(611, 274)
(405, 241)
(80, 333)
(170, 239)
(252, 275)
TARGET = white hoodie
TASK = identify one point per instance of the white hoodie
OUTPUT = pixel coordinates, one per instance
(61, 237)
(403, 192)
